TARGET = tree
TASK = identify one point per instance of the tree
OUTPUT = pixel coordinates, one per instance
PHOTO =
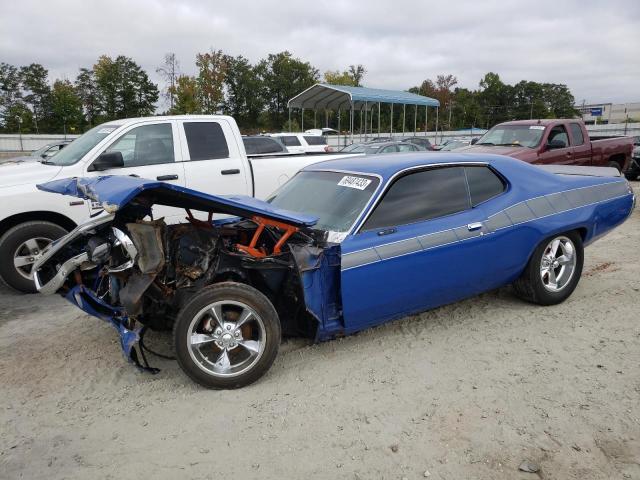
(357, 72)
(66, 108)
(212, 69)
(169, 71)
(185, 93)
(9, 92)
(89, 94)
(36, 91)
(244, 91)
(284, 77)
(124, 88)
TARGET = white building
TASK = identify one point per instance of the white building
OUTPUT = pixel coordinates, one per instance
(600, 113)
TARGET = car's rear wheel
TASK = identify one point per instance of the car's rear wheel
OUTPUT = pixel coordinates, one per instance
(227, 336)
(554, 270)
(20, 247)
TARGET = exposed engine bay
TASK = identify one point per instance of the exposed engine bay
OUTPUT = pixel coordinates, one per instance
(137, 272)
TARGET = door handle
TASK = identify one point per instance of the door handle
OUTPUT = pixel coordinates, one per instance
(474, 226)
(231, 171)
(164, 178)
(386, 231)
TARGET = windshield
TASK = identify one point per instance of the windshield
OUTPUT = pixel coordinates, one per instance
(77, 149)
(353, 148)
(335, 198)
(513, 135)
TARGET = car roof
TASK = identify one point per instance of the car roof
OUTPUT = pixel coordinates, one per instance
(386, 165)
(544, 122)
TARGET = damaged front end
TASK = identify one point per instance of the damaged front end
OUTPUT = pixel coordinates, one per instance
(136, 272)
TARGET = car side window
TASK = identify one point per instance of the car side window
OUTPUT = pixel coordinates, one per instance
(559, 133)
(206, 140)
(405, 147)
(146, 145)
(484, 184)
(315, 140)
(389, 149)
(576, 133)
(421, 196)
(290, 140)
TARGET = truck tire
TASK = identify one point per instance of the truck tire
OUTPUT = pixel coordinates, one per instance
(553, 271)
(613, 164)
(227, 336)
(19, 248)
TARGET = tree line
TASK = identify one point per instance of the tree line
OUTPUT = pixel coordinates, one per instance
(255, 94)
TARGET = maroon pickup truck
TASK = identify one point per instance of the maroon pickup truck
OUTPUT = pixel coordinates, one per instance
(559, 142)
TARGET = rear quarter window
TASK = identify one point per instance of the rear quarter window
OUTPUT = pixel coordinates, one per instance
(290, 140)
(205, 140)
(576, 133)
(255, 146)
(315, 140)
(484, 184)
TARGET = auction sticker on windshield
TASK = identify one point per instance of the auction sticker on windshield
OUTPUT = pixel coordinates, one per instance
(536, 127)
(354, 182)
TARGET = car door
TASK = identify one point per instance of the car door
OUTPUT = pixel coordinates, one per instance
(557, 156)
(422, 245)
(149, 151)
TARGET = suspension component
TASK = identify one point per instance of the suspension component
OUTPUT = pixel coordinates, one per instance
(262, 223)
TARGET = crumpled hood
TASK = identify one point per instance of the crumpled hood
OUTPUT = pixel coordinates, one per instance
(20, 173)
(114, 192)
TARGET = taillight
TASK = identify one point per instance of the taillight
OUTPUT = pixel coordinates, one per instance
(328, 149)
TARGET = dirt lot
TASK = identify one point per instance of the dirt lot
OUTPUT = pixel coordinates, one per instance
(465, 391)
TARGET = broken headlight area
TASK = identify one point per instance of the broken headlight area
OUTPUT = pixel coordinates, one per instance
(137, 273)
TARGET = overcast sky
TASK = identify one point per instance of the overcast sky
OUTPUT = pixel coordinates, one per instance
(592, 46)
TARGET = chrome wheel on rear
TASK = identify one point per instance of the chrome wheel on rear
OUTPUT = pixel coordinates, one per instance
(226, 338)
(558, 264)
(27, 253)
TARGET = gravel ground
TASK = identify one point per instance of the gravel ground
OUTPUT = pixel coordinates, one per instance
(470, 390)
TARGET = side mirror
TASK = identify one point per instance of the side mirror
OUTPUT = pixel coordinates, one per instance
(555, 144)
(474, 141)
(107, 161)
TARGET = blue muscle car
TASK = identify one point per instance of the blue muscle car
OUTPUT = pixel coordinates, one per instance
(344, 245)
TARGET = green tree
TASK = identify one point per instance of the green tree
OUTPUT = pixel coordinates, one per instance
(350, 77)
(284, 77)
(357, 73)
(185, 94)
(212, 68)
(36, 93)
(9, 93)
(244, 91)
(66, 108)
(89, 94)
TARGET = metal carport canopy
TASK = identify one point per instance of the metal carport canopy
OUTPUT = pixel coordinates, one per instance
(325, 96)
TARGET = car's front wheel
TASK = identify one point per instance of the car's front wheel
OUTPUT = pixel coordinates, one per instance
(20, 247)
(553, 271)
(227, 336)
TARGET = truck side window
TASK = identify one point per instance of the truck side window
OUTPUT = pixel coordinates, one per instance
(559, 133)
(206, 140)
(146, 145)
(576, 133)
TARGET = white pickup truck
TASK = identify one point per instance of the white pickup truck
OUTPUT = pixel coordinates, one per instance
(203, 152)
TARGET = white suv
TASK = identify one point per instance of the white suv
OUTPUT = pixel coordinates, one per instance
(303, 142)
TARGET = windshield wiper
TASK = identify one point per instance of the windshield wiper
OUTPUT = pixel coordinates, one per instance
(509, 145)
(486, 143)
(46, 162)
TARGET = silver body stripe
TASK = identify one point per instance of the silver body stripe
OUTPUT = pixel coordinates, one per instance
(521, 212)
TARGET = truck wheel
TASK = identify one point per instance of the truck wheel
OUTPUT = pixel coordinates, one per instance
(615, 165)
(227, 336)
(553, 271)
(20, 246)
(631, 176)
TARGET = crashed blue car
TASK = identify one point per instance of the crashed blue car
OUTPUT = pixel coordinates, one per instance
(343, 246)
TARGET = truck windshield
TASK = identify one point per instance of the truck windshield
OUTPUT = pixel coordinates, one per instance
(77, 149)
(513, 135)
(335, 198)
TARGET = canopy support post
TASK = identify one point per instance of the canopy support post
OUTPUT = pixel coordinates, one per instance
(302, 125)
(314, 117)
(437, 116)
(404, 114)
(351, 122)
(378, 119)
(339, 131)
(365, 120)
(391, 123)
(289, 126)
(426, 118)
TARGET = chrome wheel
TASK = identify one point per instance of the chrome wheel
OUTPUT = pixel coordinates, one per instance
(27, 253)
(226, 338)
(558, 264)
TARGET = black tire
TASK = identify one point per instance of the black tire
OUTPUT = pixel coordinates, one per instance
(613, 164)
(631, 176)
(12, 239)
(235, 292)
(530, 286)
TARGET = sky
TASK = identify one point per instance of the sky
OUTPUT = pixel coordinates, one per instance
(591, 46)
